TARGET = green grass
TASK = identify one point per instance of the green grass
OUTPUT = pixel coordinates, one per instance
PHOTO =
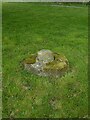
(28, 28)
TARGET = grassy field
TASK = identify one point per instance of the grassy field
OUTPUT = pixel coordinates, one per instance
(28, 28)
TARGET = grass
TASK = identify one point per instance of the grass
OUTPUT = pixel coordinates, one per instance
(28, 28)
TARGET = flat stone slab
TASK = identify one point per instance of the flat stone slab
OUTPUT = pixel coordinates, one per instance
(46, 63)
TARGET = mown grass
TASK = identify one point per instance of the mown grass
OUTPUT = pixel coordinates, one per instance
(28, 28)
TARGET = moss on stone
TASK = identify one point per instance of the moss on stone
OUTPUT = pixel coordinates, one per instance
(60, 63)
(60, 57)
(31, 59)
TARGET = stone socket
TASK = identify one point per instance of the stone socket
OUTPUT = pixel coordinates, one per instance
(46, 63)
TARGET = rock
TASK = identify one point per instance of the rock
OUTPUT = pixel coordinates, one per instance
(47, 63)
(45, 56)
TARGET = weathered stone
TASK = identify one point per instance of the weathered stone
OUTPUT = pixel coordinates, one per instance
(45, 56)
(47, 63)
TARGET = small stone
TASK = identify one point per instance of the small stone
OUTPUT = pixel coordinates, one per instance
(45, 56)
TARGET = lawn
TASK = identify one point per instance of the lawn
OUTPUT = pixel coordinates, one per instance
(28, 28)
